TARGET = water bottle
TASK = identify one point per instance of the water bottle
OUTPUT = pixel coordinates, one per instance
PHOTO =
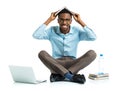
(101, 64)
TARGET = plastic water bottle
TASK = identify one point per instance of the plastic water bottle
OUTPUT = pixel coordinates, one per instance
(101, 64)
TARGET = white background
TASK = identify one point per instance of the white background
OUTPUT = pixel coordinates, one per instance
(20, 18)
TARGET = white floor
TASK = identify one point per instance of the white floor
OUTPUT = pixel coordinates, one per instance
(100, 85)
(61, 86)
(7, 83)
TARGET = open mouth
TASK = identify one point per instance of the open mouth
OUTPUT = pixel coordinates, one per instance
(64, 26)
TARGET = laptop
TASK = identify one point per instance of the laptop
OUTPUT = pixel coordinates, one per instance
(24, 74)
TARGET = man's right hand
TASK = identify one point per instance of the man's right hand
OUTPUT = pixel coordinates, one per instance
(51, 18)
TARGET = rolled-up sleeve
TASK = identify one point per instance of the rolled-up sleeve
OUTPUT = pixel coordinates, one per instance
(88, 34)
(41, 32)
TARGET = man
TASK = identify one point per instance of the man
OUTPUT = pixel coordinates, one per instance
(64, 39)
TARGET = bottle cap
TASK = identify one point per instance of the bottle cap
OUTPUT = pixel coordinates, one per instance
(101, 54)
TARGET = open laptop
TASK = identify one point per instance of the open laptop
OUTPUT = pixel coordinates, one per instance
(24, 74)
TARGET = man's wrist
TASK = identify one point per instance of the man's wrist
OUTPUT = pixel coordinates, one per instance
(81, 23)
(48, 21)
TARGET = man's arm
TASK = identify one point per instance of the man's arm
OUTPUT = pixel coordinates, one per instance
(78, 19)
(41, 32)
(51, 18)
(88, 34)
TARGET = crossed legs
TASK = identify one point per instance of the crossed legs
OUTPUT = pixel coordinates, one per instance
(66, 64)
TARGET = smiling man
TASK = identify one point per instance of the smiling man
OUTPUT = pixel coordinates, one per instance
(64, 39)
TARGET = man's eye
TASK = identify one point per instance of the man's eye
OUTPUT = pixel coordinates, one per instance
(64, 19)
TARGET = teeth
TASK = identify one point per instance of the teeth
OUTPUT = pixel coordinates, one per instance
(64, 26)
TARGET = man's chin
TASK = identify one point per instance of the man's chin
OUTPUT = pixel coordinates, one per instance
(64, 29)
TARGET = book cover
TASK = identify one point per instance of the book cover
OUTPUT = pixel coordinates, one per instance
(98, 76)
(62, 9)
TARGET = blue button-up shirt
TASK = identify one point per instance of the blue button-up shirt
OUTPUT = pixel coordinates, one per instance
(64, 44)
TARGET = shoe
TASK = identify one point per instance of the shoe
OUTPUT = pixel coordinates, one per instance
(83, 77)
(56, 77)
(79, 78)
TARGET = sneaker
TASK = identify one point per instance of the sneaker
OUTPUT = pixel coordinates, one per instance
(79, 78)
(56, 77)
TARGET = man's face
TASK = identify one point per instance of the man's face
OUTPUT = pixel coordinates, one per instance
(64, 20)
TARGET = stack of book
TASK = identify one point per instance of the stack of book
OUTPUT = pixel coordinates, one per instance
(98, 76)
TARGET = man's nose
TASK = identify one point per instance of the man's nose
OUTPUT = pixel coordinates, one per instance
(64, 21)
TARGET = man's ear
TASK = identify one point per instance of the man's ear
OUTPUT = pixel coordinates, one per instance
(58, 20)
(71, 21)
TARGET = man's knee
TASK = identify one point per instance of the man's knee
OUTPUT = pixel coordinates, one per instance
(41, 53)
(92, 53)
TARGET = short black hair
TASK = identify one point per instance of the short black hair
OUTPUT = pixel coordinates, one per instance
(64, 11)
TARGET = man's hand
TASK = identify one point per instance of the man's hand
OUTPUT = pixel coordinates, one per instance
(51, 18)
(77, 18)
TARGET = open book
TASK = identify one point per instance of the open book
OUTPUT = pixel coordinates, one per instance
(62, 9)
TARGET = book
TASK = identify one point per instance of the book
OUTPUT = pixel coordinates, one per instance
(61, 10)
(98, 76)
